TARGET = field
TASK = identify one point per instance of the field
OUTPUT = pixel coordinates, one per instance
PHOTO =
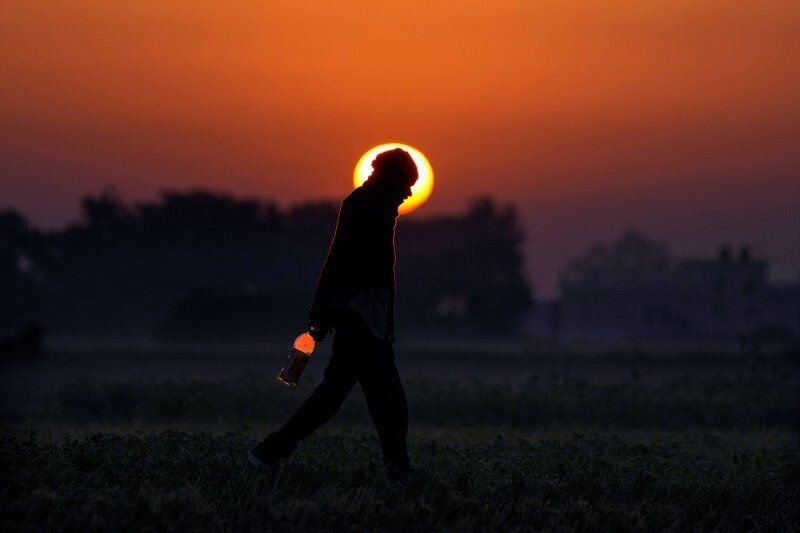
(557, 453)
(463, 480)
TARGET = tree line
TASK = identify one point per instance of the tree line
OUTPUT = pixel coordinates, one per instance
(205, 265)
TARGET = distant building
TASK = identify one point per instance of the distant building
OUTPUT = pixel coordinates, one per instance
(634, 290)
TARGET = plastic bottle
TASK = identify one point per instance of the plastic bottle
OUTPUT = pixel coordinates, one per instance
(298, 359)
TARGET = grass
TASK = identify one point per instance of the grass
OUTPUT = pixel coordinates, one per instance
(464, 480)
(711, 403)
(569, 455)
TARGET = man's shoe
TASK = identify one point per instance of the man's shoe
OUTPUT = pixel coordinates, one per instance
(260, 457)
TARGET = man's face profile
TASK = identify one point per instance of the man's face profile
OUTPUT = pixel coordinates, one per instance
(408, 184)
(398, 172)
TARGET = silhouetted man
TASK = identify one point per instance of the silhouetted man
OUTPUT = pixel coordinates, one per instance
(355, 297)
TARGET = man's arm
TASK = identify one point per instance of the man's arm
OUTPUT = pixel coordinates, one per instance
(387, 260)
(319, 321)
(390, 321)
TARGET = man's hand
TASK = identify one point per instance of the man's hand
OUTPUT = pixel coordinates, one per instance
(317, 332)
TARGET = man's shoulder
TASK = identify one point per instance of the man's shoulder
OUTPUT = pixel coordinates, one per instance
(356, 195)
(357, 200)
(365, 201)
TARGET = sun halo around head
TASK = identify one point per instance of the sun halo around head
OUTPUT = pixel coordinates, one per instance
(422, 188)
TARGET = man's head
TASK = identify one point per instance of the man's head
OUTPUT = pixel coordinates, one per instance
(394, 172)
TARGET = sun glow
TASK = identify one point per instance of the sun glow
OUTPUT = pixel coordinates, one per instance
(421, 189)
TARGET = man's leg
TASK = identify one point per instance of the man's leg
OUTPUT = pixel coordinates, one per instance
(386, 400)
(339, 379)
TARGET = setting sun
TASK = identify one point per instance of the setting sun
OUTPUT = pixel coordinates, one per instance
(419, 192)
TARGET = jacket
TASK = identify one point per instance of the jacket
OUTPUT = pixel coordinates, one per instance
(361, 259)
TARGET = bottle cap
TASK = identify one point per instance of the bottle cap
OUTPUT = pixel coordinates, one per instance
(305, 343)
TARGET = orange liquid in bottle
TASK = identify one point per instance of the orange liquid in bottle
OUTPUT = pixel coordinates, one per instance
(299, 356)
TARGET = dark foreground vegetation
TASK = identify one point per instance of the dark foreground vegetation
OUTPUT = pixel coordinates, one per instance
(568, 455)
(463, 480)
(737, 403)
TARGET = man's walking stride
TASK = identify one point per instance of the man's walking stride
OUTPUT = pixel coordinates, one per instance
(355, 297)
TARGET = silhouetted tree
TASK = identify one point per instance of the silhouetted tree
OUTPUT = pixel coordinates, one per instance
(105, 210)
(633, 257)
(465, 272)
(201, 263)
(24, 258)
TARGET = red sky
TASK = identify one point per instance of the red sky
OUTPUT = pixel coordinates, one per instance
(681, 118)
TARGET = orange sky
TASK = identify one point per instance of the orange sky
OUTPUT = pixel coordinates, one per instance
(679, 117)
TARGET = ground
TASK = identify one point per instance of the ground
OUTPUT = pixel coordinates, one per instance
(556, 454)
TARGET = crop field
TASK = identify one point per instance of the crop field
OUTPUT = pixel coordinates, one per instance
(161, 455)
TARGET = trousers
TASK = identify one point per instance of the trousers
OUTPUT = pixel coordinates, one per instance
(357, 356)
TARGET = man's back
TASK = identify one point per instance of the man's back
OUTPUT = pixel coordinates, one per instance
(362, 251)
(359, 270)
